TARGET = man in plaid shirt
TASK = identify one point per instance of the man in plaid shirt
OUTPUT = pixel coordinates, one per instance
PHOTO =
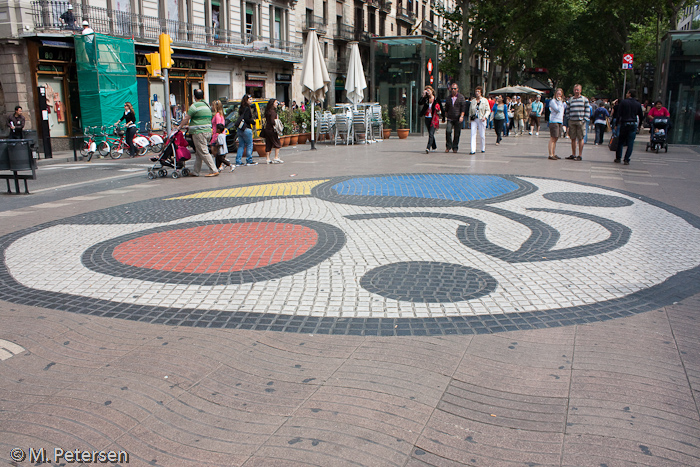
(576, 112)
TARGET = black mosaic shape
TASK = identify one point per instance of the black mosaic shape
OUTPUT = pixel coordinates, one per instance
(428, 282)
(326, 192)
(331, 239)
(588, 199)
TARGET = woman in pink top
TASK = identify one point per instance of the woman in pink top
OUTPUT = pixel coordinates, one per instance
(658, 111)
(217, 118)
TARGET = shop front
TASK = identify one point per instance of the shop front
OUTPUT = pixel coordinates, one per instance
(255, 84)
(186, 75)
(400, 68)
(282, 93)
(52, 65)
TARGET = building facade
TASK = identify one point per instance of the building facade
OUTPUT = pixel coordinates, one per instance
(226, 47)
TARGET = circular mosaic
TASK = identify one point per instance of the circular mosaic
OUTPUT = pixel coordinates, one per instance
(428, 282)
(406, 254)
(589, 199)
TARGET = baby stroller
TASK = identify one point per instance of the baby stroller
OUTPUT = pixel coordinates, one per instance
(174, 156)
(658, 132)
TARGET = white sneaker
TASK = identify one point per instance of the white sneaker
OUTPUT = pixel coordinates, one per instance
(530, 132)
(537, 133)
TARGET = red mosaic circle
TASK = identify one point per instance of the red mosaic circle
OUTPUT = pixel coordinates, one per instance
(218, 248)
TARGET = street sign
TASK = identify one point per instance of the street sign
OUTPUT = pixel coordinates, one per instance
(627, 61)
(430, 66)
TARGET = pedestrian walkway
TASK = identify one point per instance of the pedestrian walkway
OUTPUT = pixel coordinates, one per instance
(367, 305)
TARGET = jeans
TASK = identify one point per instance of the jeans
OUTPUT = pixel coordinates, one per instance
(599, 132)
(519, 125)
(431, 133)
(585, 132)
(245, 143)
(453, 143)
(129, 138)
(499, 129)
(628, 132)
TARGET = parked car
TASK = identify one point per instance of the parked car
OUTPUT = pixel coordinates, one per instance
(231, 115)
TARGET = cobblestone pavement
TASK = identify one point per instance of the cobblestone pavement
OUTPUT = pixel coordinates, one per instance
(370, 305)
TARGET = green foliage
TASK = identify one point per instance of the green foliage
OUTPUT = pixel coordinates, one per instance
(385, 116)
(303, 120)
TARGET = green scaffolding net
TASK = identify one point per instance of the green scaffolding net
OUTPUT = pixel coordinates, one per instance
(106, 76)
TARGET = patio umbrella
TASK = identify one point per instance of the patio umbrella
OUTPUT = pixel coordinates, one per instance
(529, 90)
(507, 90)
(314, 77)
(355, 84)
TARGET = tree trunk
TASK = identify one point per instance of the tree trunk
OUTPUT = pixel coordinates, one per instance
(465, 71)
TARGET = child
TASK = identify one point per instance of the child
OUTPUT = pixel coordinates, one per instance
(220, 148)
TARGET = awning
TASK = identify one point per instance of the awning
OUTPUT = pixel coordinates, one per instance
(203, 58)
(255, 84)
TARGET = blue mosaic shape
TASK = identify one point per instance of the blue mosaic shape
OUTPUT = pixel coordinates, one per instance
(431, 186)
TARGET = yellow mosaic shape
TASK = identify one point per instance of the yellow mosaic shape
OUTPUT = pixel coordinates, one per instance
(269, 189)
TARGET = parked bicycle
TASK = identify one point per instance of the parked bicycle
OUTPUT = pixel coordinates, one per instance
(115, 144)
(90, 145)
(156, 139)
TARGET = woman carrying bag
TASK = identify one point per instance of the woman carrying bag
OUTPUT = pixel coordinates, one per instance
(129, 118)
(431, 111)
(272, 132)
(500, 118)
(244, 131)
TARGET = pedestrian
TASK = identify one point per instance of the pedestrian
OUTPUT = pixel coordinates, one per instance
(556, 119)
(535, 115)
(576, 110)
(244, 130)
(431, 112)
(16, 123)
(199, 114)
(479, 112)
(220, 148)
(68, 18)
(518, 116)
(491, 102)
(657, 111)
(629, 115)
(526, 117)
(500, 118)
(89, 42)
(129, 118)
(509, 105)
(455, 110)
(271, 133)
(294, 105)
(600, 121)
(587, 122)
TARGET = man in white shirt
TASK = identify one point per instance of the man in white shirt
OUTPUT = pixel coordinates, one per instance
(479, 112)
(89, 41)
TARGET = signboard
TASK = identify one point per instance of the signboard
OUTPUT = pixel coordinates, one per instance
(430, 65)
(627, 61)
(283, 77)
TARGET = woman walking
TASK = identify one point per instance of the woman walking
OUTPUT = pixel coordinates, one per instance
(244, 131)
(500, 118)
(272, 138)
(129, 118)
(431, 112)
(218, 117)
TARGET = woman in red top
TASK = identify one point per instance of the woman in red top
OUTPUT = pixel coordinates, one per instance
(658, 111)
(218, 117)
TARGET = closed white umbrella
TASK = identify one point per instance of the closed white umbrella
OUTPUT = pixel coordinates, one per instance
(314, 77)
(355, 84)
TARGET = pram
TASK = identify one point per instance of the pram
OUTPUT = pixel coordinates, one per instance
(658, 133)
(173, 156)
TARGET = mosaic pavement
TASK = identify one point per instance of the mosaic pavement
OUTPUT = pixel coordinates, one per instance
(379, 255)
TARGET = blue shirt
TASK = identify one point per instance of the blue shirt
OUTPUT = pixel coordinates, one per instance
(537, 108)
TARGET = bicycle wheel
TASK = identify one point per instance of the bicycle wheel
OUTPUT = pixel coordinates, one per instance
(116, 152)
(85, 149)
(142, 151)
(103, 148)
(157, 147)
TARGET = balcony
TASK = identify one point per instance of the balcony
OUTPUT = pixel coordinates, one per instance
(317, 23)
(373, 3)
(363, 37)
(428, 27)
(146, 29)
(405, 15)
(385, 6)
(343, 32)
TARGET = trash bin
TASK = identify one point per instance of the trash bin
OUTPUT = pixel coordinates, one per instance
(33, 136)
(4, 156)
(20, 154)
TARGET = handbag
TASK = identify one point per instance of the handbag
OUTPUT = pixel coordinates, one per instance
(436, 117)
(533, 114)
(279, 127)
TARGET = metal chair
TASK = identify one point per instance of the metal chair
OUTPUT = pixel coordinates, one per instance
(376, 124)
(359, 125)
(343, 129)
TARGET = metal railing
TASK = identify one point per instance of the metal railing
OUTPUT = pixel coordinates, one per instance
(385, 6)
(428, 27)
(364, 36)
(47, 16)
(374, 3)
(315, 22)
(405, 14)
(344, 32)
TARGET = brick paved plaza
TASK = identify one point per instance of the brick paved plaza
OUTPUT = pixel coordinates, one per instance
(363, 305)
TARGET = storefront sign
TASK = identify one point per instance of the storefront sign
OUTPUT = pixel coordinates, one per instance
(254, 84)
(283, 78)
(255, 77)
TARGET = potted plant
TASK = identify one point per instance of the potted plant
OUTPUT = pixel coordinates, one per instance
(400, 117)
(259, 146)
(303, 119)
(386, 120)
(294, 140)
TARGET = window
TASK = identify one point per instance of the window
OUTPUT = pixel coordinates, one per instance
(325, 12)
(277, 26)
(371, 22)
(382, 21)
(250, 26)
(309, 18)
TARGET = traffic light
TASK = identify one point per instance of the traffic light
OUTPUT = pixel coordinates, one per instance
(165, 51)
(153, 66)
